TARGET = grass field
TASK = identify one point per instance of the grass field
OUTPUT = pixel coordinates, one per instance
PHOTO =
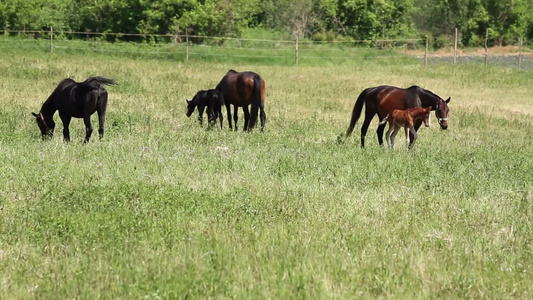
(162, 208)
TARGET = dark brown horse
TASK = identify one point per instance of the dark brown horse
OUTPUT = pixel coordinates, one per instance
(243, 89)
(383, 99)
(78, 100)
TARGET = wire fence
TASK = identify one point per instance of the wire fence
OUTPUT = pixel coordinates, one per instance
(185, 48)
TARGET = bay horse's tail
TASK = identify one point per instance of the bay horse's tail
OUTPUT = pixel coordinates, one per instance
(256, 101)
(356, 113)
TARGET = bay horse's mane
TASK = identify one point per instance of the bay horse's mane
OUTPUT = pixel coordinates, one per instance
(426, 95)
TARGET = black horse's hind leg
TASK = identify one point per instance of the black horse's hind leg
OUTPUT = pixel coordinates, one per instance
(88, 128)
(235, 115)
(101, 121)
(66, 124)
(246, 117)
(101, 110)
(379, 131)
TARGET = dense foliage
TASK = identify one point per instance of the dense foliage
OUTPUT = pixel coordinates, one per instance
(317, 19)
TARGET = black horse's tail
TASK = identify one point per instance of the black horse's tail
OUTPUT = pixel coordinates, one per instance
(95, 83)
(356, 113)
(256, 101)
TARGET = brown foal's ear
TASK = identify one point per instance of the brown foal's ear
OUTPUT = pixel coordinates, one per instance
(448, 100)
(34, 114)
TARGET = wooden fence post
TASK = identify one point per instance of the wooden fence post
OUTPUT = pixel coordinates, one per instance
(455, 47)
(51, 39)
(296, 54)
(426, 51)
(486, 46)
(187, 44)
(520, 53)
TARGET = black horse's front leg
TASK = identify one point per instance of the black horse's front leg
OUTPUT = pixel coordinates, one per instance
(88, 128)
(66, 124)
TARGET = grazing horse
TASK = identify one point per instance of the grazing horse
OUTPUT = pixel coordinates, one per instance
(242, 89)
(405, 118)
(213, 100)
(383, 99)
(78, 100)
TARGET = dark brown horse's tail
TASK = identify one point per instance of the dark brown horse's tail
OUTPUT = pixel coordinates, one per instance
(384, 119)
(256, 101)
(356, 113)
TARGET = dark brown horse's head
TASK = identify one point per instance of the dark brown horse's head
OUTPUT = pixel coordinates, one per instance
(46, 131)
(441, 111)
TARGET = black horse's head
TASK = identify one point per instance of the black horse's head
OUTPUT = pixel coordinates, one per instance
(191, 105)
(46, 127)
(441, 111)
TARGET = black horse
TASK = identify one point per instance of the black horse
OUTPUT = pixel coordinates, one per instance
(78, 100)
(383, 99)
(210, 99)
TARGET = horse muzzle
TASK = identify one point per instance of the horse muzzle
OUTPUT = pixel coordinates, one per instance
(443, 122)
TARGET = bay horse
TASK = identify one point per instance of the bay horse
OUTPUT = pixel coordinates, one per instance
(78, 100)
(210, 99)
(383, 99)
(405, 118)
(243, 89)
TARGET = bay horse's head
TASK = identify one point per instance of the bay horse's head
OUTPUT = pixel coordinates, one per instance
(427, 114)
(191, 105)
(441, 111)
(47, 128)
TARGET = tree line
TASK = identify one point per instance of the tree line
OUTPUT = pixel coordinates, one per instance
(505, 20)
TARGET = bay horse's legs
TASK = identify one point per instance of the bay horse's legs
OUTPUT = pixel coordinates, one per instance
(379, 131)
(88, 128)
(246, 117)
(368, 118)
(388, 135)
(235, 115)
(262, 116)
(66, 122)
(415, 136)
(414, 131)
(407, 137)
(393, 135)
(228, 109)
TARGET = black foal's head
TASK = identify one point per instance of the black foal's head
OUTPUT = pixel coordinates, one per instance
(191, 105)
(46, 130)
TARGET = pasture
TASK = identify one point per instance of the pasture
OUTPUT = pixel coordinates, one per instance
(162, 208)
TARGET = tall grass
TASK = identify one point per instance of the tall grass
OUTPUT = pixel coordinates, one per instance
(163, 208)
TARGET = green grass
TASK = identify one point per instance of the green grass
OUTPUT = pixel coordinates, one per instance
(162, 208)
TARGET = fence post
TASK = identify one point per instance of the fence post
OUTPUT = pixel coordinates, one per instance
(426, 51)
(296, 51)
(187, 44)
(486, 46)
(51, 39)
(455, 47)
(520, 53)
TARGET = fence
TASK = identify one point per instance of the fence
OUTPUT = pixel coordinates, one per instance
(282, 52)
